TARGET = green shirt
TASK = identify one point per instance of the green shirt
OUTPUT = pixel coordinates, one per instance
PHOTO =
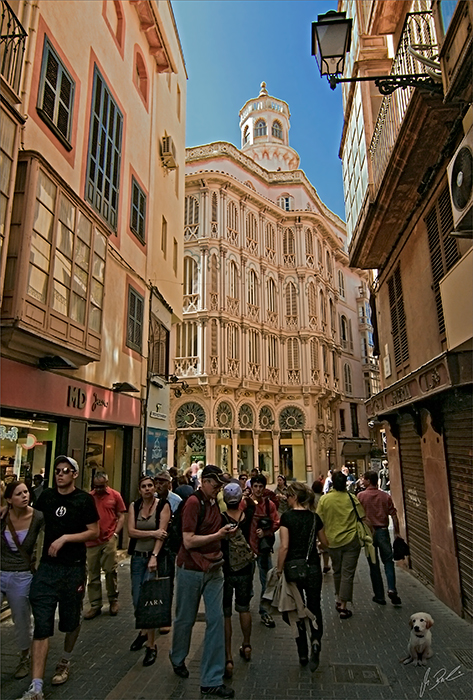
(338, 516)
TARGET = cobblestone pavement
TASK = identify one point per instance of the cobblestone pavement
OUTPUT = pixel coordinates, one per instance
(359, 659)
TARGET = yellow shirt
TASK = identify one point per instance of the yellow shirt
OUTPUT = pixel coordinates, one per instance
(338, 516)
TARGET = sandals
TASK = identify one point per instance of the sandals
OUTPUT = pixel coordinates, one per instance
(245, 652)
(345, 614)
(228, 669)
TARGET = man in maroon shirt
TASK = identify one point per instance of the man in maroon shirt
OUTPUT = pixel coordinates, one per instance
(102, 552)
(199, 575)
(378, 507)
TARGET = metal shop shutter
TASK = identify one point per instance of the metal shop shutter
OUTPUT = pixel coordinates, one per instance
(418, 532)
(458, 445)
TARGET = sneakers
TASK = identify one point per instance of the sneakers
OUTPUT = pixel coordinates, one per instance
(114, 608)
(92, 612)
(315, 656)
(267, 620)
(62, 672)
(180, 670)
(219, 691)
(32, 694)
(23, 668)
(394, 598)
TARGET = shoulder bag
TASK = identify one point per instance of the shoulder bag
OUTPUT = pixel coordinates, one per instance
(364, 534)
(298, 569)
(28, 559)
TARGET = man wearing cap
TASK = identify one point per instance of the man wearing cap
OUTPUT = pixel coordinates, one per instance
(162, 482)
(102, 552)
(71, 519)
(199, 575)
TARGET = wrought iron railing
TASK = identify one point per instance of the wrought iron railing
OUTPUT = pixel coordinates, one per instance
(12, 47)
(418, 33)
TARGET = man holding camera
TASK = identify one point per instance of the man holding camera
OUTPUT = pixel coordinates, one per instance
(264, 522)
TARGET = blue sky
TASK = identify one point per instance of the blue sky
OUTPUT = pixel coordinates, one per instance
(230, 47)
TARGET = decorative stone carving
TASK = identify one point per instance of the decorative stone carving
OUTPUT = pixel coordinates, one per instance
(190, 415)
(266, 418)
(224, 414)
(245, 417)
(291, 418)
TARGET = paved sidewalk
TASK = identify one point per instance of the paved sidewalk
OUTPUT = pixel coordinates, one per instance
(360, 656)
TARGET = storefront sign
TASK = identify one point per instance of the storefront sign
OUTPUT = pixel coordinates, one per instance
(10, 434)
(158, 416)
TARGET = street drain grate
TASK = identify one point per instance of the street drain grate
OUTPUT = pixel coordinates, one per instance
(465, 657)
(362, 674)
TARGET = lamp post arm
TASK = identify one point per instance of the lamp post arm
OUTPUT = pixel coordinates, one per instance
(387, 84)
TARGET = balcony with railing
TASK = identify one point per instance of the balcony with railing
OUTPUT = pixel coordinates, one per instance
(12, 47)
(419, 34)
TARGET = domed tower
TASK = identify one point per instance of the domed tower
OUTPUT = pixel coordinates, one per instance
(264, 124)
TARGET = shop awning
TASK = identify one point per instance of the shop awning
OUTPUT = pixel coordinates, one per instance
(356, 448)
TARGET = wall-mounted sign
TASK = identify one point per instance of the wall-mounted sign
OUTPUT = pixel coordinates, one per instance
(77, 398)
(159, 416)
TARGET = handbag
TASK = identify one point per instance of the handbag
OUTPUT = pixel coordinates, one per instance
(266, 543)
(298, 569)
(28, 559)
(154, 604)
(364, 534)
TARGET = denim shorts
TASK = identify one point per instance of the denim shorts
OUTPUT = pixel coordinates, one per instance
(57, 585)
(242, 584)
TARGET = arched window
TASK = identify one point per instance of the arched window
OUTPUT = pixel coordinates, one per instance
(246, 135)
(260, 128)
(332, 317)
(232, 223)
(289, 248)
(233, 350)
(253, 346)
(324, 358)
(285, 201)
(272, 299)
(273, 352)
(233, 281)
(141, 76)
(329, 263)
(251, 233)
(314, 359)
(319, 255)
(213, 274)
(341, 284)
(344, 332)
(291, 305)
(270, 242)
(191, 285)
(252, 293)
(276, 130)
(309, 247)
(323, 308)
(312, 302)
(191, 218)
(214, 216)
(293, 360)
(348, 386)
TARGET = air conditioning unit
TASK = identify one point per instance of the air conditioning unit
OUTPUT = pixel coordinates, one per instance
(168, 153)
(460, 180)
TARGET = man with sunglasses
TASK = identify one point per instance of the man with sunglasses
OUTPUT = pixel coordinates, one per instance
(71, 519)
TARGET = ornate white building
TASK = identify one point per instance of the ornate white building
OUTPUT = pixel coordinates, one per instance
(270, 345)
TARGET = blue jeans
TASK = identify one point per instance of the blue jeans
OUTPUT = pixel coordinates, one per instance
(15, 586)
(138, 570)
(190, 587)
(383, 547)
(264, 564)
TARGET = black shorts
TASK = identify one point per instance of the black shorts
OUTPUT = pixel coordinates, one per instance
(242, 584)
(53, 585)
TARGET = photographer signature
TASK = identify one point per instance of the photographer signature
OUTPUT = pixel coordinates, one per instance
(439, 677)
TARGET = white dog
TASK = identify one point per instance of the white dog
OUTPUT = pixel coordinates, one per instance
(420, 641)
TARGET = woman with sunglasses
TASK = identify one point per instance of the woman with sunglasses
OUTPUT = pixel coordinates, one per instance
(299, 529)
(148, 520)
(21, 525)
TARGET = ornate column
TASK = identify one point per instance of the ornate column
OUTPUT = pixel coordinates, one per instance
(204, 253)
(204, 369)
(299, 251)
(223, 295)
(263, 292)
(170, 456)
(308, 456)
(235, 453)
(244, 260)
(275, 435)
(210, 445)
(204, 216)
(256, 448)
(303, 311)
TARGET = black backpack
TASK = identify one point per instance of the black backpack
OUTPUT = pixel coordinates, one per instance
(174, 538)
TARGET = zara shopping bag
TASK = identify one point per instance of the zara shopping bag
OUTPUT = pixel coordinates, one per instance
(154, 605)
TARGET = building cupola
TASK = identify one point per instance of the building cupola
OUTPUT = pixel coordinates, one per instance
(264, 124)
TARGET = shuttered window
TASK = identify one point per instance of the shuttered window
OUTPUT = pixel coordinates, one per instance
(105, 146)
(134, 335)
(443, 248)
(159, 348)
(292, 353)
(56, 95)
(138, 211)
(398, 318)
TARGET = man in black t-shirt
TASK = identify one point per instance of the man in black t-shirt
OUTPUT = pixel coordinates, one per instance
(71, 519)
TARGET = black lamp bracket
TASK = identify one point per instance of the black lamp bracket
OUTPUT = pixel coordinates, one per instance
(387, 84)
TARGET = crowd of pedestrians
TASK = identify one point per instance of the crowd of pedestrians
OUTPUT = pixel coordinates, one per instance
(204, 532)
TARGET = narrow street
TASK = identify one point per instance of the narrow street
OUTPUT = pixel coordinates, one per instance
(360, 656)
